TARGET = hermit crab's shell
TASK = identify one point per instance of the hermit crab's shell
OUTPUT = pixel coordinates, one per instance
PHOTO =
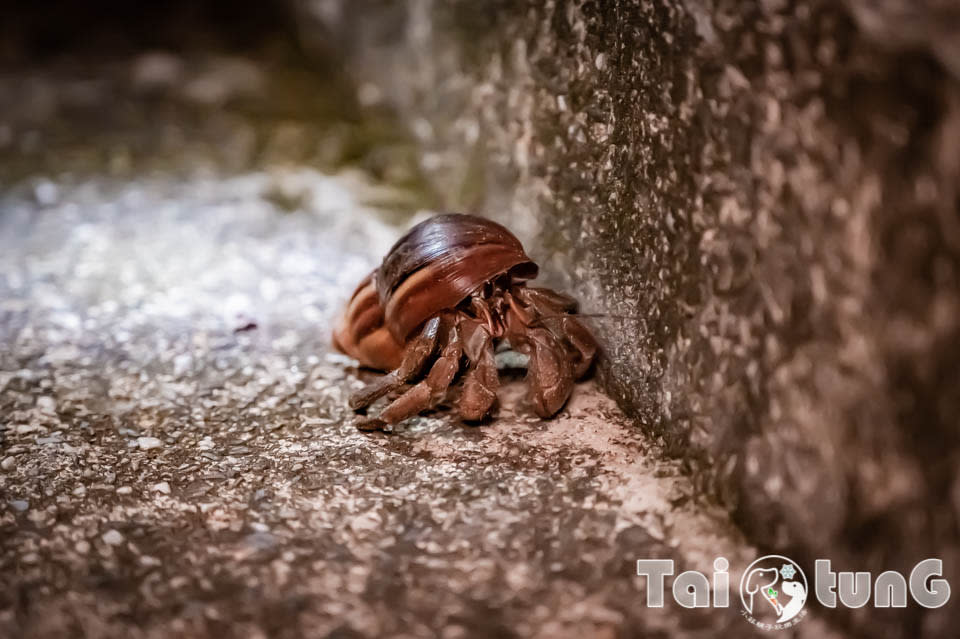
(361, 332)
(439, 263)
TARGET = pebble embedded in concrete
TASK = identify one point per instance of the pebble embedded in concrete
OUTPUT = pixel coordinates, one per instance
(112, 538)
(149, 443)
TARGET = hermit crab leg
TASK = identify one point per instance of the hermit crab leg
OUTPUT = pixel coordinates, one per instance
(428, 392)
(549, 375)
(561, 302)
(414, 357)
(482, 379)
(481, 311)
(552, 310)
(576, 334)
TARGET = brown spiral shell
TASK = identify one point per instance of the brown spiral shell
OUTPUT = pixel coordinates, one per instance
(361, 332)
(439, 263)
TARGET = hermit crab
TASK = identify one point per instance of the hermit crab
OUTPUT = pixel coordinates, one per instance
(442, 300)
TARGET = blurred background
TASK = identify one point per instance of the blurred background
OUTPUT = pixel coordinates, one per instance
(761, 195)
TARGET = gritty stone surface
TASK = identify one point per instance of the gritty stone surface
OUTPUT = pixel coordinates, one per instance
(178, 457)
(763, 197)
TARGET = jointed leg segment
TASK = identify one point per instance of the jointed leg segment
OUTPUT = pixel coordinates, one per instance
(431, 390)
(553, 310)
(481, 382)
(414, 357)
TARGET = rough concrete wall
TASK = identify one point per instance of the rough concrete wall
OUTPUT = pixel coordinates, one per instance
(770, 189)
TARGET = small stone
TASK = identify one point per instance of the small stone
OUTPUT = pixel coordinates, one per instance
(148, 443)
(46, 193)
(182, 364)
(281, 571)
(26, 429)
(162, 487)
(511, 359)
(19, 505)
(124, 490)
(179, 581)
(47, 405)
(112, 538)
(82, 546)
(8, 463)
(80, 491)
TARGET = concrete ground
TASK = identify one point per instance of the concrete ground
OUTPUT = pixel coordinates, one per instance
(176, 454)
